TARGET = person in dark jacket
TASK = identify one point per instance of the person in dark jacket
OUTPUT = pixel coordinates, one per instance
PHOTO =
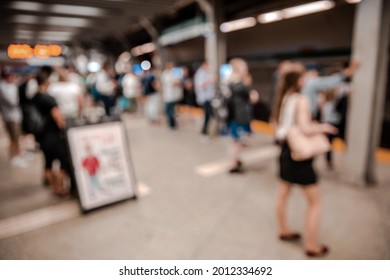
(240, 114)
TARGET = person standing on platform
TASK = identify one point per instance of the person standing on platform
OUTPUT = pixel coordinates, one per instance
(12, 115)
(205, 92)
(172, 92)
(68, 95)
(188, 88)
(106, 86)
(293, 109)
(240, 111)
(150, 91)
(315, 84)
(132, 90)
(51, 139)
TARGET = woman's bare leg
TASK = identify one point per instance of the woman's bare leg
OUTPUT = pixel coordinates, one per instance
(281, 205)
(313, 196)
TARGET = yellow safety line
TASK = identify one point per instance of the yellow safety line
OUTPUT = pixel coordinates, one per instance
(382, 155)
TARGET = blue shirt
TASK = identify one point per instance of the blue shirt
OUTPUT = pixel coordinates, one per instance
(313, 86)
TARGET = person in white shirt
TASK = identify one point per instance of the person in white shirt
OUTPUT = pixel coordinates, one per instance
(172, 93)
(68, 94)
(106, 86)
(12, 115)
(131, 88)
(205, 92)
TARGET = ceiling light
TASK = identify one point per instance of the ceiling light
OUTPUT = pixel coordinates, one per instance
(24, 32)
(125, 57)
(25, 19)
(56, 8)
(54, 39)
(76, 10)
(67, 21)
(306, 9)
(146, 65)
(24, 36)
(353, 1)
(55, 33)
(26, 6)
(142, 49)
(270, 17)
(238, 24)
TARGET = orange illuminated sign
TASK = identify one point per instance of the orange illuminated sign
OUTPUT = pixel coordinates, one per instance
(17, 51)
(20, 51)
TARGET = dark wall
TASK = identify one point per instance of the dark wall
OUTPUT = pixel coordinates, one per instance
(321, 31)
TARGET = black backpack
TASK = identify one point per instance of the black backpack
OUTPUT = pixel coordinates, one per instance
(33, 121)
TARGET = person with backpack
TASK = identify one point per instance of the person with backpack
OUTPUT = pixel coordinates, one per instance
(50, 136)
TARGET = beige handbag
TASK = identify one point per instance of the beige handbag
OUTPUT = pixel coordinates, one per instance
(304, 146)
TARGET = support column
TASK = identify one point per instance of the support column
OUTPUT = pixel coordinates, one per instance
(370, 48)
(161, 52)
(221, 37)
(215, 40)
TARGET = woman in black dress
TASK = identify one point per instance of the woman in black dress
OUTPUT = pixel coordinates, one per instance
(293, 109)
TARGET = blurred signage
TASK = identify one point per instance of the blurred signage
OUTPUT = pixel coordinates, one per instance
(24, 51)
(101, 161)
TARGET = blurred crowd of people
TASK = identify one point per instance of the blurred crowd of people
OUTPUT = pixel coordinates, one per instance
(47, 101)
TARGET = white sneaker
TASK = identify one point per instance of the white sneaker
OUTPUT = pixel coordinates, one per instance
(19, 162)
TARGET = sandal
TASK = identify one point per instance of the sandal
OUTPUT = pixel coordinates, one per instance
(60, 191)
(237, 169)
(290, 237)
(322, 252)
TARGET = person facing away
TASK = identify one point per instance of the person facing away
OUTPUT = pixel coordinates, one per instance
(106, 86)
(150, 91)
(293, 109)
(172, 93)
(52, 140)
(68, 95)
(188, 88)
(205, 92)
(12, 115)
(330, 113)
(132, 88)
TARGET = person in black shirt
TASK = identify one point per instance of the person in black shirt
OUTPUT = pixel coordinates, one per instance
(51, 140)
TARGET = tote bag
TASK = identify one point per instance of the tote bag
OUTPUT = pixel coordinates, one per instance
(302, 146)
(305, 146)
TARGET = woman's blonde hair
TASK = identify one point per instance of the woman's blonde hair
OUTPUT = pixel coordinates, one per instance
(240, 71)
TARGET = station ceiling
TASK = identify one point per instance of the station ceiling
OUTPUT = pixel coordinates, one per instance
(108, 21)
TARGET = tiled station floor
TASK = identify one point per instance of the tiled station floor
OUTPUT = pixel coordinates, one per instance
(189, 207)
